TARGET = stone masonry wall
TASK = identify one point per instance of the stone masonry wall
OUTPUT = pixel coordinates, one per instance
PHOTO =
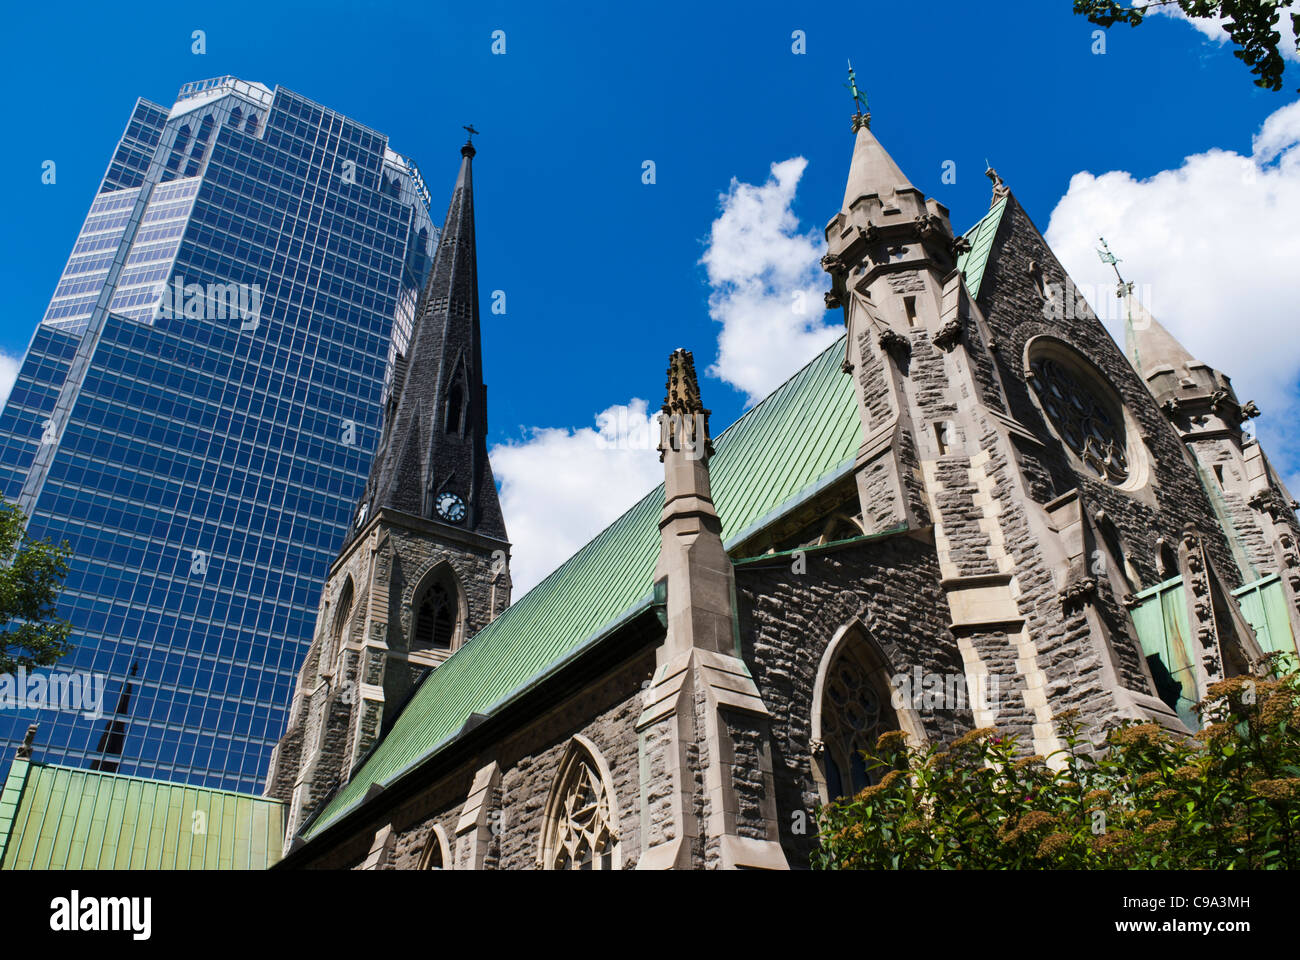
(1013, 308)
(604, 711)
(1221, 452)
(787, 621)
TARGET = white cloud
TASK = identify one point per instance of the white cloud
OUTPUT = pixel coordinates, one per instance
(561, 487)
(9, 367)
(767, 284)
(1212, 27)
(1213, 247)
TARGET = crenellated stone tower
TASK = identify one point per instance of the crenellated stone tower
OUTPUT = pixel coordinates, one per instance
(426, 562)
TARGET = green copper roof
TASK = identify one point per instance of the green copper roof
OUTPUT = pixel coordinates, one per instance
(802, 436)
(973, 262)
(59, 818)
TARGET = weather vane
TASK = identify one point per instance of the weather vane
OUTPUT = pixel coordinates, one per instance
(860, 119)
(1114, 261)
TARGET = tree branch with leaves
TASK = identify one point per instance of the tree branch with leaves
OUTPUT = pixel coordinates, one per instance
(1252, 26)
(31, 576)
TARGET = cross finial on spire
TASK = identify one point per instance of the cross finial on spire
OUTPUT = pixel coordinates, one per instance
(860, 119)
(468, 150)
(1114, 261)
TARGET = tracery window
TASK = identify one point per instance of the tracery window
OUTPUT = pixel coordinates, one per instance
(580, 821)
(1089, 422)
(437, 612)
(855, 712)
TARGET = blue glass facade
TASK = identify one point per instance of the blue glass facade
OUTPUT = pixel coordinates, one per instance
(204, 462)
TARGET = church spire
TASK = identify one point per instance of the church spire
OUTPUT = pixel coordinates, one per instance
(1150, 347)
(879, 200)
(872, 171)
(432, 457)
(1198, 398)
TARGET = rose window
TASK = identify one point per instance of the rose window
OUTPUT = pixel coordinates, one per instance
(1090, 426)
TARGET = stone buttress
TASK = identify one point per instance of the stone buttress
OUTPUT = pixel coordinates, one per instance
(707, 794)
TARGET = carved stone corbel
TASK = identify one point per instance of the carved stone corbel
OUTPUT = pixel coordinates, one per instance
(949, 335)
(834, 264)
(927, 226)
(894, 343)
(1078, 591)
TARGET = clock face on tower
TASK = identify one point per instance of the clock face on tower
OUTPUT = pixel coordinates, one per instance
(450, 507)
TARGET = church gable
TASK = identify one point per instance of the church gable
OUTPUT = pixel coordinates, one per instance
(772, 478)
(1026, 295)
(952, 518)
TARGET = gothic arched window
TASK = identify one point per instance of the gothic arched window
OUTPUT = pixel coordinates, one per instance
(338, 626)
(436, 854)
(455, 408)
(344, 610)
(436, 613)
(580, 829)
(1082, 408)
(853, 711)
(1110, 536)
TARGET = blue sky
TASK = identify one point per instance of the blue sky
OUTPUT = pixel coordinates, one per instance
(602, 272)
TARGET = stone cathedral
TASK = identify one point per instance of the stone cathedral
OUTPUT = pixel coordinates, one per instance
(974, 483)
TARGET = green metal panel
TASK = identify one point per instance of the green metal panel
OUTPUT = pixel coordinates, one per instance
(10, 798)
(1263, 604)
(981, 236)
(62, 818)
(1161, 621)
(805, 434)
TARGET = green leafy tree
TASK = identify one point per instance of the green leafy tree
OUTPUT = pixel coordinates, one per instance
(1141, 798)
(31, 576)
(1251, 26)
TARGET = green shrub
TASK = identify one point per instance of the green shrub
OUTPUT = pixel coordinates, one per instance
(1141, 798)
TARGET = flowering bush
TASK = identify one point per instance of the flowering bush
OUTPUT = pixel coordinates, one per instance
(1142, 797)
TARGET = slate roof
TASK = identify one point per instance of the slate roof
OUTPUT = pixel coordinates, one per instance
(418, 454)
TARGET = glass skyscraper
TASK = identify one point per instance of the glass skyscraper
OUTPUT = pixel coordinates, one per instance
(197, 411)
